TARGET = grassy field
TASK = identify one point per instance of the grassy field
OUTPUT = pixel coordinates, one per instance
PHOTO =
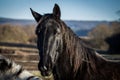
(37, 73)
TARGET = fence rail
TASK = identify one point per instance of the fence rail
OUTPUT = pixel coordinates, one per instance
(27, 55)
(28, 58)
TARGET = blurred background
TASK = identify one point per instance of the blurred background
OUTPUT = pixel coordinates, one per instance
(97, 22)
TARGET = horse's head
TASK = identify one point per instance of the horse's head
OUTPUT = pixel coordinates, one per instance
(49, 39)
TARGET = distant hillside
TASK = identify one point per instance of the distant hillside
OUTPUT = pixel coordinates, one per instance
(84, 24)
(16, 21)
(81, 28)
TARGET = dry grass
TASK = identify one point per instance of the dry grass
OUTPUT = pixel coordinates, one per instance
(17, 33)
(37, 73)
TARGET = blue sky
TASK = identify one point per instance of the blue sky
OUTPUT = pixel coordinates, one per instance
(70, 9)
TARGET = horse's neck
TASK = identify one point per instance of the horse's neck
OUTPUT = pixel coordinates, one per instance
(75, 53)
(78, 52)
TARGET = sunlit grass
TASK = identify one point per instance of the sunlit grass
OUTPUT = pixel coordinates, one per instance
(37, 73)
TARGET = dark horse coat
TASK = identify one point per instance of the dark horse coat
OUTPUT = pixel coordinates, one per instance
(74, 61)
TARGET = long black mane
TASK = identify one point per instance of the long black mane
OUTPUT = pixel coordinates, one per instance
(78, 61)
(75, 53)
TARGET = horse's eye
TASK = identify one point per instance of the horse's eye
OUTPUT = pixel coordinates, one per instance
(58, 31)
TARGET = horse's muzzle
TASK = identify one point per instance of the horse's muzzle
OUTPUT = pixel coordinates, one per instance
(46, 73)
(44, 70)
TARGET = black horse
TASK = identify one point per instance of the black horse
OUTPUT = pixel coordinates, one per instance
(65, 55)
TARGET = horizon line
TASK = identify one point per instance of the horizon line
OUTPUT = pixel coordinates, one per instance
(61, 19)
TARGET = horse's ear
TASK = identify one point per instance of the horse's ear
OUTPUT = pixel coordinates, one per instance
(36, 15)
(56, 11)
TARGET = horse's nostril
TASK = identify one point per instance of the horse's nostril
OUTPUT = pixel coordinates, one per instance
(44, 67)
